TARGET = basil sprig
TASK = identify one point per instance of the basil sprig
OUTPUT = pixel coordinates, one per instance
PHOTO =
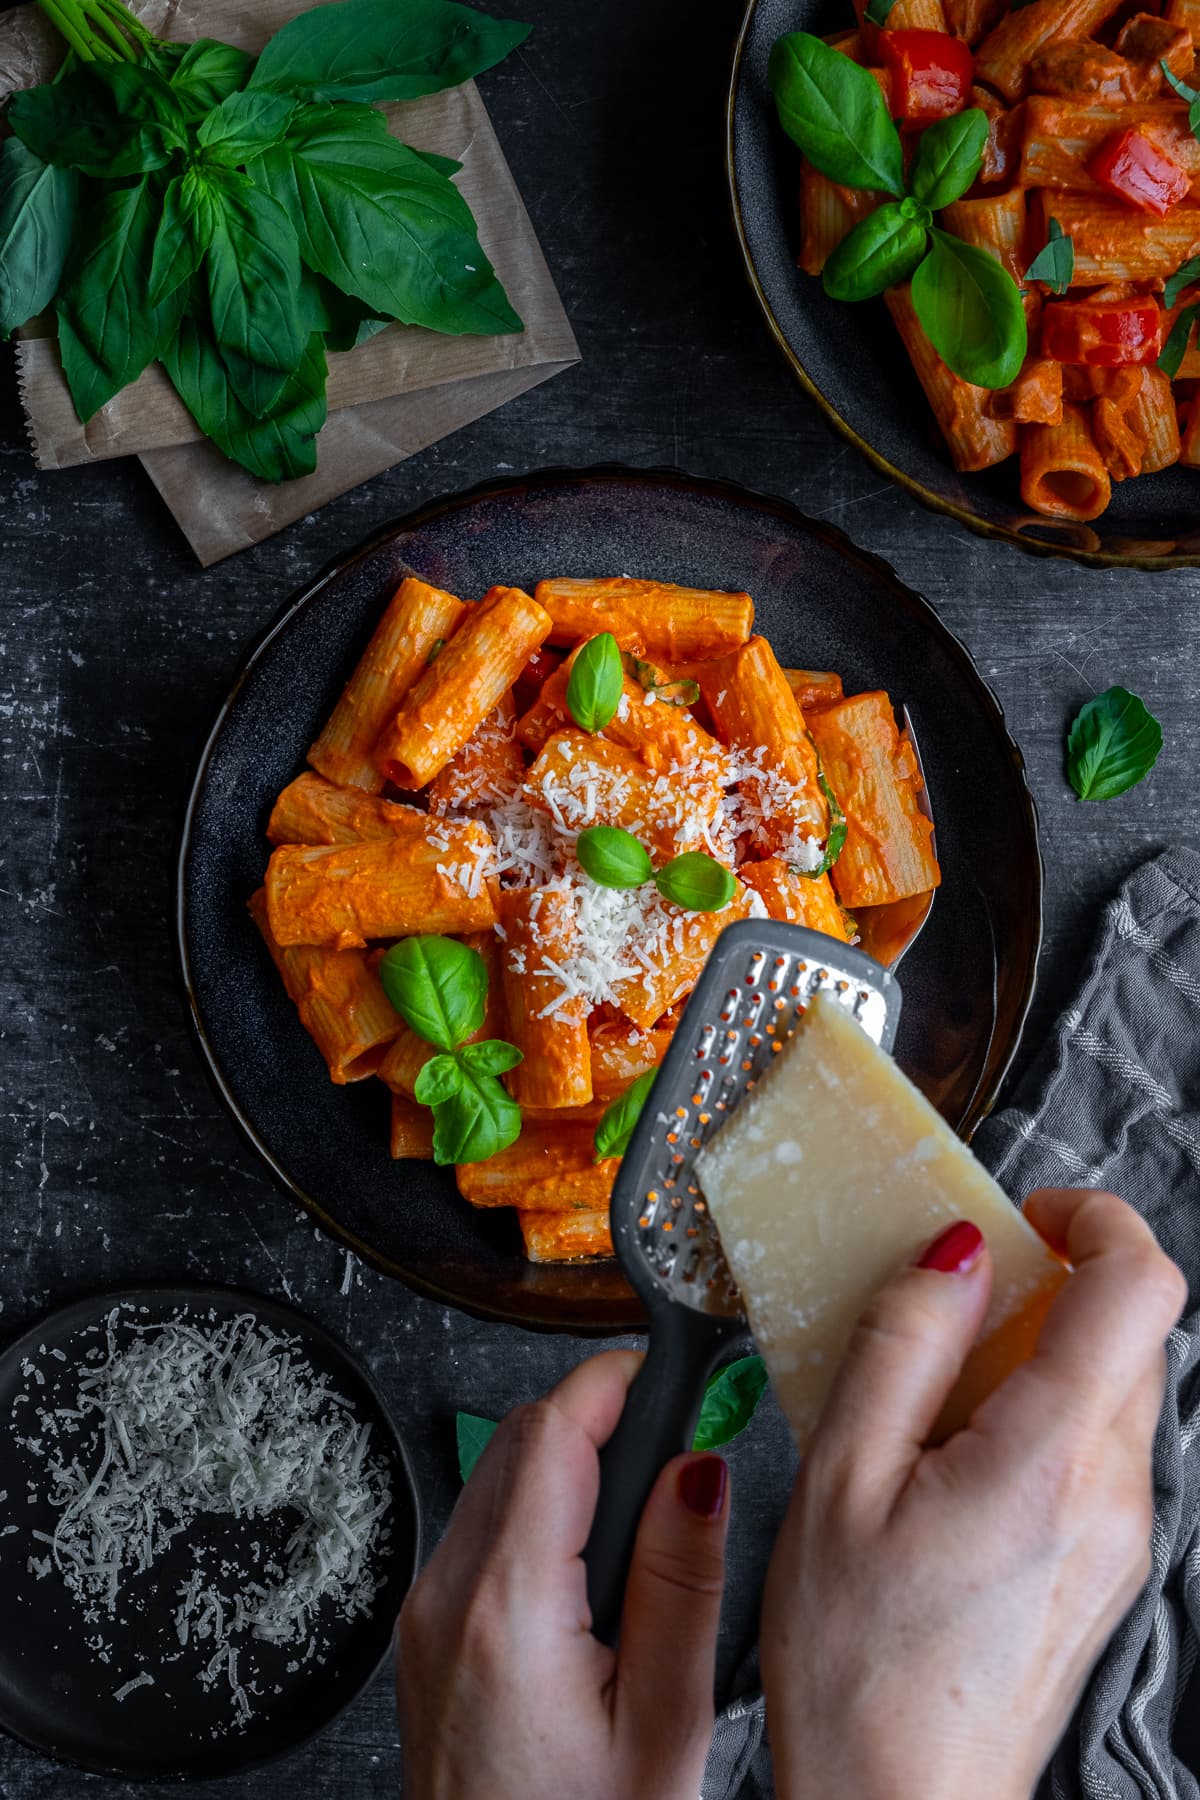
(731, 1400)
(612, 857)
(834, 110)
(439, 988)
(1113, 743)
(618, 1119)
(595, 683)
(697, 882)
(248, 214)
(1055, 261)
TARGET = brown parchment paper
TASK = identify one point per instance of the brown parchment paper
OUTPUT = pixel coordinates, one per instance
(394, 395)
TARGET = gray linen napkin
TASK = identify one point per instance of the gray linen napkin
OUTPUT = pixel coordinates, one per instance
(1113, 1101)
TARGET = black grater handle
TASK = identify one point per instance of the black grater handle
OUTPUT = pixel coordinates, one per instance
(658, 1421)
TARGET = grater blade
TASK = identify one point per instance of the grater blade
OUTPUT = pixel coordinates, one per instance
(760, 976)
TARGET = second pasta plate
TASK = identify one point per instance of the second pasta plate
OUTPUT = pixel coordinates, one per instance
(850, 358)
(819, 603)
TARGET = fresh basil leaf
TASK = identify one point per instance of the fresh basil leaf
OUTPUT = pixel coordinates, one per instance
(948, 158)
(438, 986)
(1113, 744)
(613, 858)
(836, 841)
(697, 882)
(376, 50)
(207, 73)
(437, 1080)
(37, 216)
(836, 113)
(731, 1400)
(477, 1121)
(182, 236)
(596, 682)
(971, 312)
(243, 126)
(107, 120)
(491, 1057)
(281, 445)
(883, 249)
(1182, 278)
(615, 1127)
(473, 1436)
(108, 331)
(253, 268)
(877, 11)
(383, 225)
(1055, 261)
(1175, 348)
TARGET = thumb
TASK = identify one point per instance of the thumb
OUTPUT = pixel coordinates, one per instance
(904, 1356)
(670, 1618)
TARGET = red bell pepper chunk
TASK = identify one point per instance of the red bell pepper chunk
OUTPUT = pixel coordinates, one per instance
(1101, 334)
(1140, 172)
(930, 71)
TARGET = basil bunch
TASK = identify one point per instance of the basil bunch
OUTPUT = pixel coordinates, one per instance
(969, 307)
(236, 218)
(439, 988)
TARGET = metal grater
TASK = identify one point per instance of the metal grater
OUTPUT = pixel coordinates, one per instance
(758, 980)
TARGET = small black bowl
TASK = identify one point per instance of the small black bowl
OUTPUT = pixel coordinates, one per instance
(824, 605)
(851, 361)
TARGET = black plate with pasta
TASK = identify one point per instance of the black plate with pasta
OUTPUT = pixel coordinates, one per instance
(823, 605)
(850, 360)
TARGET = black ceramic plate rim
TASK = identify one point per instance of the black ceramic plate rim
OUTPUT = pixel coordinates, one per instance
(985, 528)
(98, 1304)
(992, 713)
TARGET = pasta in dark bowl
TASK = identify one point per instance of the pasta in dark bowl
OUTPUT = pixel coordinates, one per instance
(1095, 382)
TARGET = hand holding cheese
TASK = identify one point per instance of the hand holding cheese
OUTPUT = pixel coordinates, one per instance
(931, 1614)
(832, 1173)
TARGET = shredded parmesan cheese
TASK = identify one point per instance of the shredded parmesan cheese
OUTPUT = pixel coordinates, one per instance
(178, 1421)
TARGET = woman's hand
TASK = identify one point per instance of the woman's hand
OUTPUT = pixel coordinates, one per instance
(503, 1690)
(931, 1615)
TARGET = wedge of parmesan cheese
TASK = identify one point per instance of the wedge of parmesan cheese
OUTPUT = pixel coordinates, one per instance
(831, 1175)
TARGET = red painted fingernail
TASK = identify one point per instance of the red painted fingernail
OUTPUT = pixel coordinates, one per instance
(955, 1250)
(703, 1485)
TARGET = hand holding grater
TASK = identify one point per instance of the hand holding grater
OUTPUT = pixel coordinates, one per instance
(758, 980)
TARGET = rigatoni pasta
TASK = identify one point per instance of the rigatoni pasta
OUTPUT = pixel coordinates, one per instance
(705, 748)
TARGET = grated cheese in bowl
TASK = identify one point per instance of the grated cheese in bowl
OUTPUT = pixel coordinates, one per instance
(184, 1421)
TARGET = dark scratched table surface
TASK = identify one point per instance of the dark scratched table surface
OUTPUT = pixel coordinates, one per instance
(117, 1163)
